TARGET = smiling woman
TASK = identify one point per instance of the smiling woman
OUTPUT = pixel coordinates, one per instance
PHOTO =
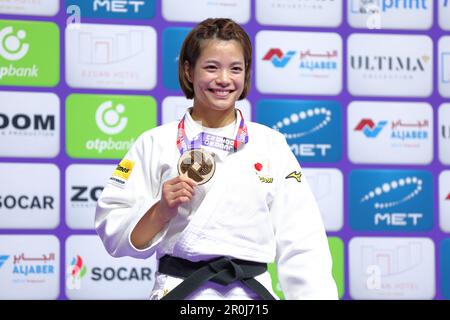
(215, 204)
(218, 80)
(214, 70)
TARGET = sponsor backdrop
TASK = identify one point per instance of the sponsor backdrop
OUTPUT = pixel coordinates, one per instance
(360, 89)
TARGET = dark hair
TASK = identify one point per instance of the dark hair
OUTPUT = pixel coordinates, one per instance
(222, 29)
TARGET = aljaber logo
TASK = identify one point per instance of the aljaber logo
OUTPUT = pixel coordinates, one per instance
(11, 46)
(391, 200)
(3, 260)
(118, 9)
(309, 61)
(109, 119)
(312, 128)
(75, 272)
(278, 59)
(368, 127)
(399, 129)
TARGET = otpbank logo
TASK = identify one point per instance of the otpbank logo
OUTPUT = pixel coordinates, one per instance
(390, 132)
(312, 128)
(391, 200)
(298, 62)
(76, 271)
(32, 8)
(110, 56)
(172, 41)
(105, 126)
(29, 53)
(384, 14)
(115, 9)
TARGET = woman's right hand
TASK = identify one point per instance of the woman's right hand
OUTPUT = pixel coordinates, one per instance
(175, 192)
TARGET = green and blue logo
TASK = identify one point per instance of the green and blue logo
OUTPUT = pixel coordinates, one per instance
(29, 53)
(106, 126)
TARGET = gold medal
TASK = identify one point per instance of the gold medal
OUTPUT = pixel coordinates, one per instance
(197, 164)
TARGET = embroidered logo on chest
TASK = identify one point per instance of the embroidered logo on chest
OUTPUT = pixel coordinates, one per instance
(262, 170)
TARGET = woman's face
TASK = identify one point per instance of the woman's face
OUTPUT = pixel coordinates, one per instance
(219, 75)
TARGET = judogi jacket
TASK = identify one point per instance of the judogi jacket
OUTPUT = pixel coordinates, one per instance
(258, 207)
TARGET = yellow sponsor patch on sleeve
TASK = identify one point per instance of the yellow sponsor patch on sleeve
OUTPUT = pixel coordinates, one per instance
(122, 172)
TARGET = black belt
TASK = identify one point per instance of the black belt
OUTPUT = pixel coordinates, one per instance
(222, 270)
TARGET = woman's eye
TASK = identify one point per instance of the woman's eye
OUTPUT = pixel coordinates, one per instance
(211, 67)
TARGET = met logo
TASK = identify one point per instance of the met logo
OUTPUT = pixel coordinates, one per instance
(311, 128)
(278, 58)
(118, 9)
(118, 5)
(391, 200)
(368, 127)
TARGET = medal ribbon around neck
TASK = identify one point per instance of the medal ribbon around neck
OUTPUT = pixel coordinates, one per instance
(212, 140)
(198, 163)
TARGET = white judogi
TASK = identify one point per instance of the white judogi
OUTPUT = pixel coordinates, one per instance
(249, 210)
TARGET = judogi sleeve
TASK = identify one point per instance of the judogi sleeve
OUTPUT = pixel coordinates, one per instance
(303, 257)
(131, 191)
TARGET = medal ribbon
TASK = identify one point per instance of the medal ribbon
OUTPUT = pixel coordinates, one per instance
(212, 140)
